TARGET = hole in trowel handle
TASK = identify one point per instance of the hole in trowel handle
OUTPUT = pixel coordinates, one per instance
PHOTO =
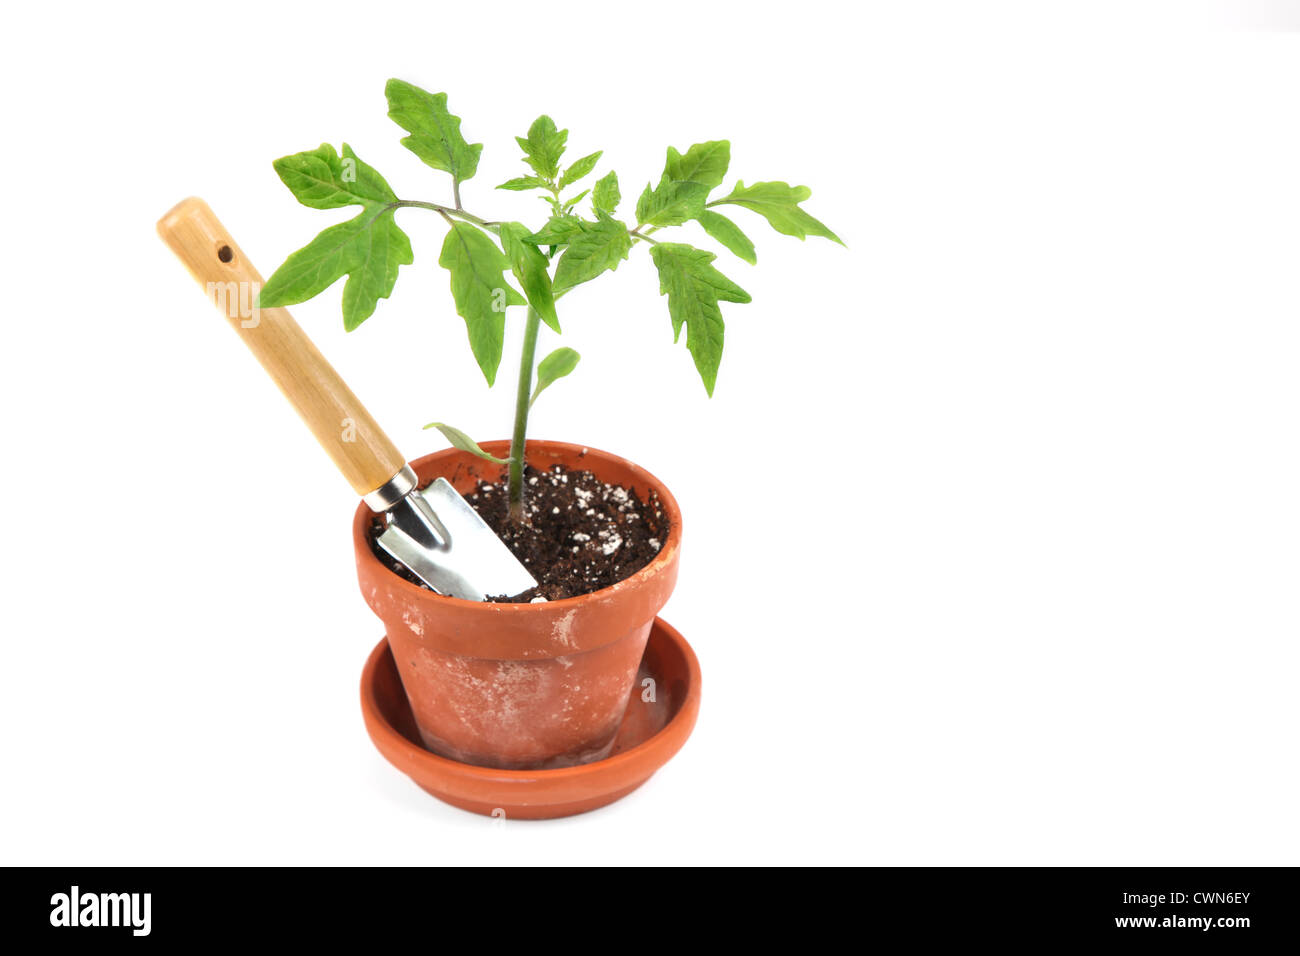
(225, 253)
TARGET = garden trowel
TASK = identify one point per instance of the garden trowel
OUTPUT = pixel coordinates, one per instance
(434, 532)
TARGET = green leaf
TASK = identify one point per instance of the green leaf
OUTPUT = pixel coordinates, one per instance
(480, 290)
(778, 203)
(543, 147)
(558, 231)
(598, 247)
(703, 163)
(685, 184)
(524, 182)
(605, 196)
(580, 168)
(671, 203)
(552, 368)
(368, 249)
(728, 233)
(531, 269)
(694, 289)
(321, 179)
(570, 203)
(462, 441)
(435, 133)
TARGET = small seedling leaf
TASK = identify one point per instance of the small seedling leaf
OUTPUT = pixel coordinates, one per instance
(580, 168)
(568, 204)
(554, 367)
(462, 441)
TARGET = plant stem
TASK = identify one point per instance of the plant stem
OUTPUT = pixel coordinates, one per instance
(445, 210)
(523, 396)
(522, 400)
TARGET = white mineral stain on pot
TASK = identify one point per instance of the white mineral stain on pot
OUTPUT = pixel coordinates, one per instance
(495, 703)
(515, 689)
(562, 630)
(413, 623)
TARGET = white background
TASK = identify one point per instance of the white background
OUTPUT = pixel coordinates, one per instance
(991, 529)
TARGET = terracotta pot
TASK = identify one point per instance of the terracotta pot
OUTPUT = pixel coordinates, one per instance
(521, 686)
(654, 728)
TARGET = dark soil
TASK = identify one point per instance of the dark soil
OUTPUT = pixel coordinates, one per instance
(579, 534)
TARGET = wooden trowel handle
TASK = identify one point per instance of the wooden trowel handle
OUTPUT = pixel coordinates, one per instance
(359, 447)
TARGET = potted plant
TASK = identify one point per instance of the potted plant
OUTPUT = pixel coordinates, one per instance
(539, 680)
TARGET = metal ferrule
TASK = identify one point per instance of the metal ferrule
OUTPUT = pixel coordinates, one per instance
(391, 491)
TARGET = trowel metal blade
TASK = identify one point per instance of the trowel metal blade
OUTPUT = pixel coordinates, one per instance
(441, 539)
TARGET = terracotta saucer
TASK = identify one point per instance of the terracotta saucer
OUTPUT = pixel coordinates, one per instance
(649, 736)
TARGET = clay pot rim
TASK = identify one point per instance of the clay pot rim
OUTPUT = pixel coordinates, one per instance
(669, 738)
(363, 516)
